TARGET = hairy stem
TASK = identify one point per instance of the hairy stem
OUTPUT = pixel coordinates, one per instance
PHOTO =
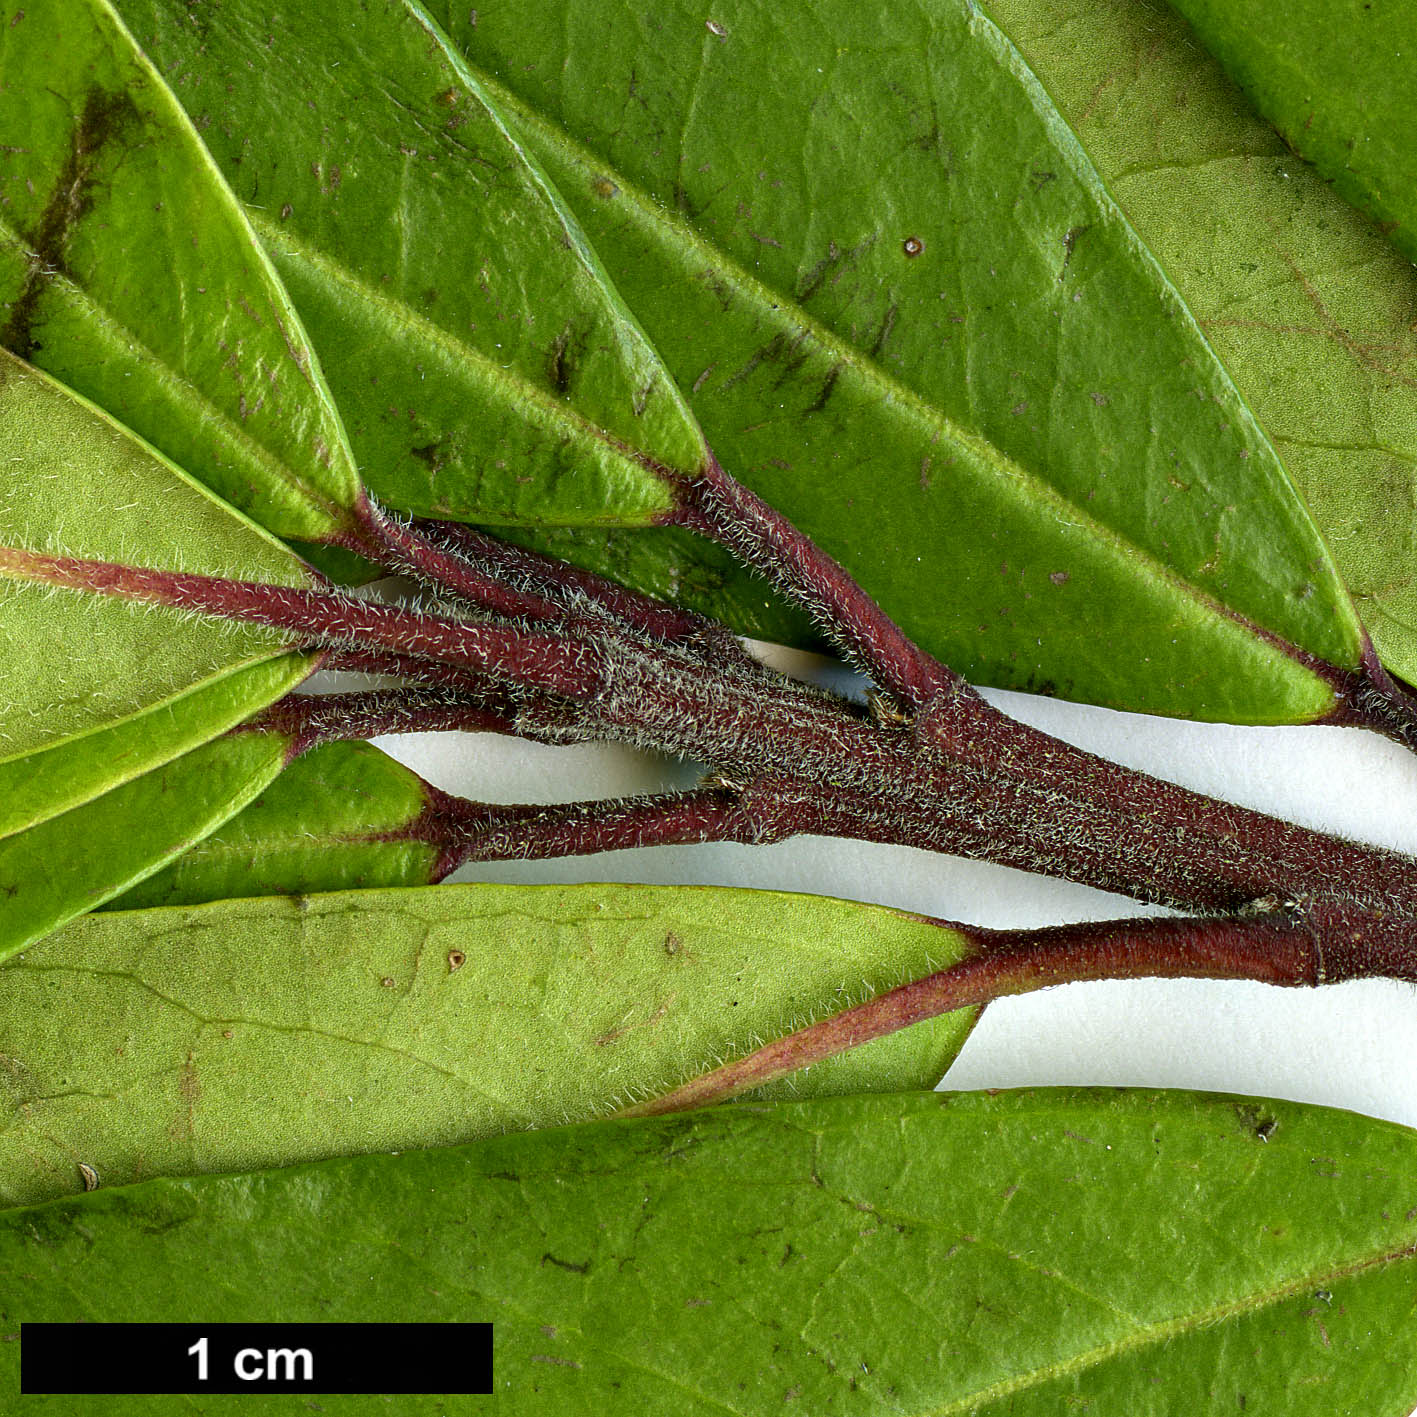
(1273, 948)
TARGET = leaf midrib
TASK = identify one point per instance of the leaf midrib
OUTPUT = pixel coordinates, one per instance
(508, 386)
(1162, 1332)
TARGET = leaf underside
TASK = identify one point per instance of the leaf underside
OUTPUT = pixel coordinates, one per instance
(255, 1032)
(1025, 1254)
(1309, 308)
(1335, 79)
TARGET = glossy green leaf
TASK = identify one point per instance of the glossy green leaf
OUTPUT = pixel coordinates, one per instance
(1309, 308)
(1029, 1254)
(129, 271)
(70, 863)
(1335, 78)
(483, 366)
(343, 817)
(900, 297)
(78, 485)
(252, 1032)
(44, 784)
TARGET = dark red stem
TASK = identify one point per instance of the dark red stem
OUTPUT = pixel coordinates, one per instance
(722, 509)
(1324, 946)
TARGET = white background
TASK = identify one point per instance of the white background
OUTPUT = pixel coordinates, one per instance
(1349, 1045)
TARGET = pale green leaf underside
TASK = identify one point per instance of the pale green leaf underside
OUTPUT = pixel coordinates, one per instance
(1310, 309)
(343, 817)
(1336, 80)
(1058, 479)
(934, 1255)
(128, 270)
(68, 864)
(78, 485)
(252, 1032)
(483, 365)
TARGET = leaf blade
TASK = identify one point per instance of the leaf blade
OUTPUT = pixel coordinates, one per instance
(394, 1019)
(1039, 1298)
(1333, 81)
(88, 489)
(765, 328)
(204, 356)
(520, 388)
(1294, 290)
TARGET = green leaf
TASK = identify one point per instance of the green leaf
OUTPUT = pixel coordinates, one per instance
(899, 296)
(343, 817)
(255, 1032)
(1028, 1253)
(47, 783)
(68, 864)
(484, 368)
(128, 270)
(1306, 304)
(104, 699)
(78, 485)
(1336, 80)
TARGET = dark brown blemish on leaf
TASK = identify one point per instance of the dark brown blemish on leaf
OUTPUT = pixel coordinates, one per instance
(430, 453)
(560, 363)
(387, 981)
(912, 246)
(1059, 577)
(90, 1176)
(1070, 241)
(456, 960)
(1259, 1124)
(285, 211)
(549, 1258)
(884, 332)
(825, 392)
(102, 118)
(604, 188)
(672, 944)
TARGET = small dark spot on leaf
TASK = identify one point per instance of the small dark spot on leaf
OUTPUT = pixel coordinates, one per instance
(285, 211)
(1039, 180)
(715, 29)
(825, 392)
(912, 245)
(604, 188)
(1101, 400)
(387, 982)
(571, 1265)
(90, 1176)
(1070, 241)
(456, 960)
(448, 98)
(672, 944)
(1059, 577)
(16, 18)
(431, 453)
